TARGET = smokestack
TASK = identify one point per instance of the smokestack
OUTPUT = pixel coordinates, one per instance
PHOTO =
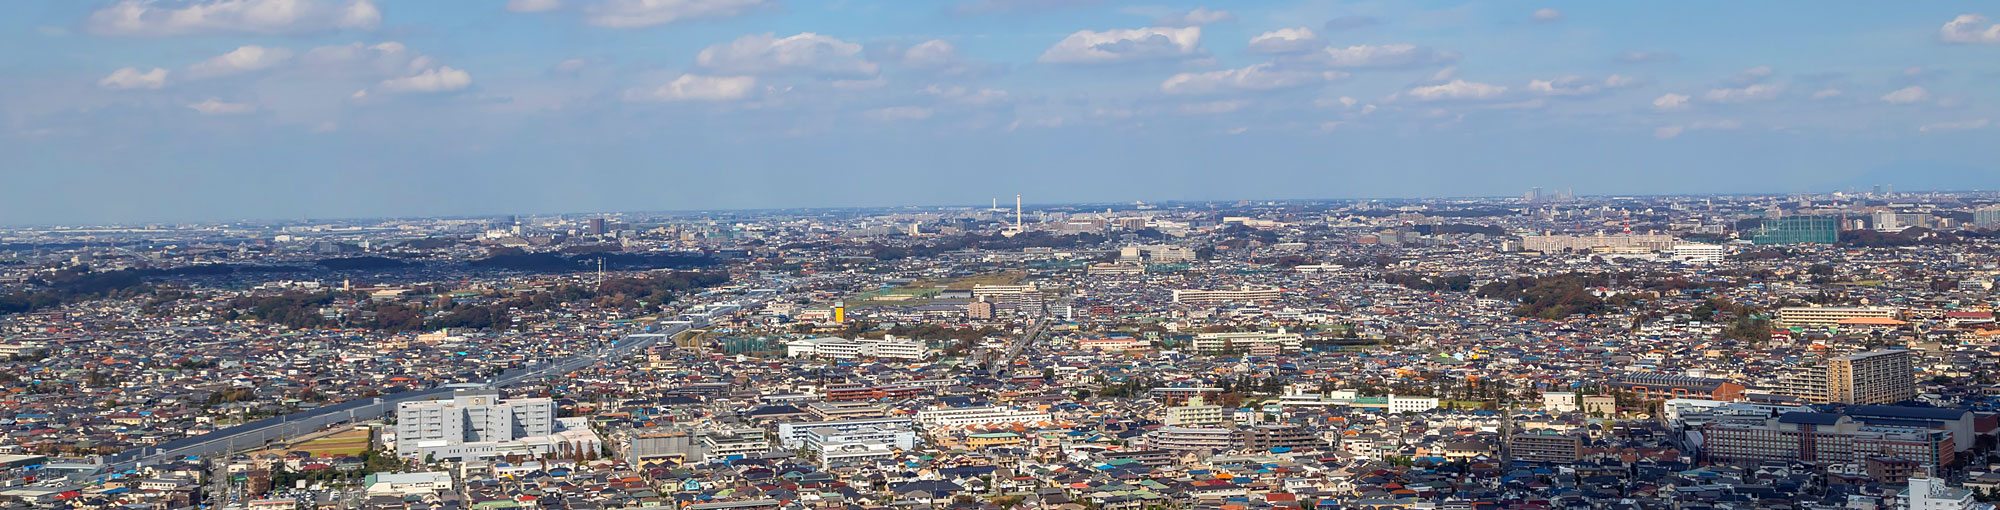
(1017, 213)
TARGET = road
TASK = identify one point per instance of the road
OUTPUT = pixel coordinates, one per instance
(262, 432)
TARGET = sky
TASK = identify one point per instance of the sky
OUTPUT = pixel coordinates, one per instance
(206, 110)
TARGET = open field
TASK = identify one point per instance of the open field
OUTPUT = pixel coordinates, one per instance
(351, 442)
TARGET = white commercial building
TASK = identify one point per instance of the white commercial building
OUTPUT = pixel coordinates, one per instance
(1214, 342)
(845, 349)
(1699, 253)
(972, 416)
(471, 416)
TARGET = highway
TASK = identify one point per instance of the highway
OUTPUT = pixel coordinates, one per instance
(262, 432)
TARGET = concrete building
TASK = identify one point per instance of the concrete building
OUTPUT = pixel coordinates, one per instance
(1195, 414)
(1878, 377)
(1217, 342)
(1544, 447)
(1599, 242)
(972, 416)
(1559, 401)
(1192, 438)
(798, 434)
(1212, 297)
(1265, 437)
(845, 349)
(1932, 494)
(471, 416)
(1823, 439)
(1828, 315)
(1700, 253)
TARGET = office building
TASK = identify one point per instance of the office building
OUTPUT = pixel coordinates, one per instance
(1798, 230)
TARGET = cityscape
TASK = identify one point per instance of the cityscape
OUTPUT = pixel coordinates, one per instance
(998, 255)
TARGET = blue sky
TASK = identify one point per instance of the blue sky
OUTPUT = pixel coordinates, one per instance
(169, 110)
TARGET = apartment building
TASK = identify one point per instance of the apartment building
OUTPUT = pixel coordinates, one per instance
(845, 349)
(1545, 447)
(1877, 377)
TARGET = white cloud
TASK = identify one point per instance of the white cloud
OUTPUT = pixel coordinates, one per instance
(533, 5)
(242, 59)
(1123, 45)
(646, 13)
(441, 79)
(1827, 94)
(1387, 56)
(691, 87)
(1457, 89)
(149, 18)
(570, 66)
(805, 52)
(1256, 77)
(931, 54)
(1756, 92)
(1717, 124)
(1619, 81)
(133, 78)
(214, 106)
(1666, 132)
(1548, 15)
(1444, 75)
(1197, 17)
(1970, 28)
(1286, 41)
(1954, 126)
(898, 113)
(1213, 107)
(1564, 86)
(1671, 101)
(1907, 95)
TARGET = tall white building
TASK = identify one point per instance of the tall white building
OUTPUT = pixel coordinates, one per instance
(1933, 494)
(1699, 253)
(471, 416)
